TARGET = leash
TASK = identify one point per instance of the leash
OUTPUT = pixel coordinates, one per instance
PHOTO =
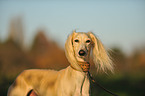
(85, 67)
(92, 79)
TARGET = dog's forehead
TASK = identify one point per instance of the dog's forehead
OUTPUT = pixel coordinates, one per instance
(82, 35)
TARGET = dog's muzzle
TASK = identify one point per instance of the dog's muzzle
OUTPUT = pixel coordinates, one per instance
(85, 66)
(82, 53)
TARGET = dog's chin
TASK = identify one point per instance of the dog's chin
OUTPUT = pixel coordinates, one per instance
(81, 58)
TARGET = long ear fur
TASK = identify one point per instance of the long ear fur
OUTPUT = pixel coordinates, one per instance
(69, 51)
(100, 56)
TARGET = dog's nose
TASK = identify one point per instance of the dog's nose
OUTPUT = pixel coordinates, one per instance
(82, 53)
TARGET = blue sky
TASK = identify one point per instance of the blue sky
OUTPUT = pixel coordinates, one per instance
(116, 22)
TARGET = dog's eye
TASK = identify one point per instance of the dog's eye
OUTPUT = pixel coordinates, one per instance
(76, 40)
(88, 41)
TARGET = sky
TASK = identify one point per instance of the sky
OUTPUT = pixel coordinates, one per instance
(119, 23)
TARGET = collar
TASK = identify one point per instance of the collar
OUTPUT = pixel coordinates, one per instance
(84, 65)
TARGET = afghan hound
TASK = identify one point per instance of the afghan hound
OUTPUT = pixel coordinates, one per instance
(71, 81)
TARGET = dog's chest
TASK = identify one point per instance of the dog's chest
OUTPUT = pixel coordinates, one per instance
(73, 83)
(82, 85)
(82, 89)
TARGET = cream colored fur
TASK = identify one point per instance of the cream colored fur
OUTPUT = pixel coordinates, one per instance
(71, 81)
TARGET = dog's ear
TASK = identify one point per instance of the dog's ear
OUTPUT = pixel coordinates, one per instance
(69, 51)
(100, 56)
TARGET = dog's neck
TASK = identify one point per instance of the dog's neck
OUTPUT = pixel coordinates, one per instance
(85, 66)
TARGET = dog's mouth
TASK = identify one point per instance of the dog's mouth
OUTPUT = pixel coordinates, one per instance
(82, 56)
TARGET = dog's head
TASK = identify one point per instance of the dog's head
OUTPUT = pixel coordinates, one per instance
(81, 44)
(78, 47)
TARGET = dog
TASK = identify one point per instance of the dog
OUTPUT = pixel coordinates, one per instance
(71, 81)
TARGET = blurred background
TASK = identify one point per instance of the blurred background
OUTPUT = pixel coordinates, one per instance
(33, 34)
